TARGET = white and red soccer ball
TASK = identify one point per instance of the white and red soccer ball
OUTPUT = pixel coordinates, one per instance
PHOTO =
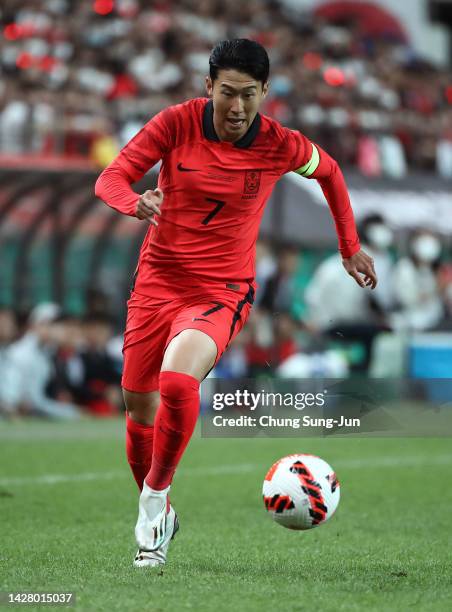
(301, 491)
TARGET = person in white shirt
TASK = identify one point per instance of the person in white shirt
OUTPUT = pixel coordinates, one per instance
(339, 308)
(29, 368)
(416, 284)
(8, 333)
(332, 298)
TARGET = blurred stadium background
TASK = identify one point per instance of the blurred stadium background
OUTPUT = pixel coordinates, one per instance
(369, 81)
(372, 83)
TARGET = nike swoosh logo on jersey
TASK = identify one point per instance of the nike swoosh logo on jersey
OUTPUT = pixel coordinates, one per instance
(182, 169)
(205, 320)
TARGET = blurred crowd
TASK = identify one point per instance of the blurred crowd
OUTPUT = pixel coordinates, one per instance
(80, 78)
(58, 365)
(318, 322)
(308, 321)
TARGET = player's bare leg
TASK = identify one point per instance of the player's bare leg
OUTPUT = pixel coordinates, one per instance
(191, 352)
(141, 407)
(187, 360)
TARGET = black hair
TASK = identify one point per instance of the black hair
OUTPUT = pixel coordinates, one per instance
(367, 221)
(240, 54)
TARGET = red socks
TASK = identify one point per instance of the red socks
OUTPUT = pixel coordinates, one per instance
(174, 424)
(139, 442)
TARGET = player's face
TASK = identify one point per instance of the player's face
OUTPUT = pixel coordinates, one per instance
(236, 100)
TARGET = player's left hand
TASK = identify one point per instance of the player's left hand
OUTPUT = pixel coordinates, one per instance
(148, 205)
(361, 263)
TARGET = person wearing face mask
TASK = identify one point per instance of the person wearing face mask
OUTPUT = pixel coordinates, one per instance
(357, 317)
(416, 284)
(378, 238)
(354, 307)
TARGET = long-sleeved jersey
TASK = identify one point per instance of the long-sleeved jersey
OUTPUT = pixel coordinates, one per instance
(215, 193)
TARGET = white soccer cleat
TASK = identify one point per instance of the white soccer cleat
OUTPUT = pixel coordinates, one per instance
(150, 529)
(155, 527)
(157, 557)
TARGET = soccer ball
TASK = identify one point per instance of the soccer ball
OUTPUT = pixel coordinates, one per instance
(301, 491)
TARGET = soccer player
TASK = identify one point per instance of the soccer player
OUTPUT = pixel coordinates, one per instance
(194, 283)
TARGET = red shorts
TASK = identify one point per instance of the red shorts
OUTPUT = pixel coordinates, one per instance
(152, 322)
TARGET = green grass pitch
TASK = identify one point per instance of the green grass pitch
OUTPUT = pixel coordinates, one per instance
(68, 509)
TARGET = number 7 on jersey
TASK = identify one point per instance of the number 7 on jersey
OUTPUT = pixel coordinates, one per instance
(215, 211)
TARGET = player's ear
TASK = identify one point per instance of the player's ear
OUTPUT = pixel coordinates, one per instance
(265, 88)
(209, 86)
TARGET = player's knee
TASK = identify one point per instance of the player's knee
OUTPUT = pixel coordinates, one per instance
(178, 388)
(191, 352)
(141, 407)
(180, 394)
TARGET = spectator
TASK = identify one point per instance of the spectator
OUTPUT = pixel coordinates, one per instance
(445, 285)
(68, 374)
(355, 316)
(416, 284)
(8, 333)
(30, 368)
(282, 291)
(378, 237)
(354, 306)
(99, 391)
(265, 268)
(67, 75)
(324, 309)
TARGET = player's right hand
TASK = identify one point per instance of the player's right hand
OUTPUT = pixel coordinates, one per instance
(361, 263)
(148, 205)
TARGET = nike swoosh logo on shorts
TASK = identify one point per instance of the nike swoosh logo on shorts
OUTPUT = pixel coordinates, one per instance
(182, 169)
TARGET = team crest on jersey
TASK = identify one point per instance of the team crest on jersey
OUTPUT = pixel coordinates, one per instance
(252, 182)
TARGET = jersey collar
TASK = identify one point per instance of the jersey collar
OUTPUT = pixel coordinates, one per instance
(209, 131)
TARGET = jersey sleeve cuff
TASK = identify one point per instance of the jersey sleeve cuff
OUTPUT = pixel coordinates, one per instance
(349, 250)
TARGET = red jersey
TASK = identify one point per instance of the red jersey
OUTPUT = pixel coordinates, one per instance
(215, 193)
